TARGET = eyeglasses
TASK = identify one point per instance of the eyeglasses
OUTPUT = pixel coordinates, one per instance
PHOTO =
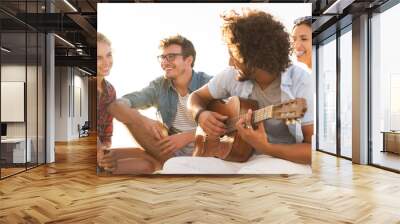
(170, 57)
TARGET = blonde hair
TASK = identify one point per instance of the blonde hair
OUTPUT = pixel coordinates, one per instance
(102, 38)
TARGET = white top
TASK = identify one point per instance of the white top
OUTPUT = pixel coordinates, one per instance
(183, 118)
(184, 122)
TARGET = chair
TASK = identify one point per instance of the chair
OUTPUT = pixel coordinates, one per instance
(84, 130)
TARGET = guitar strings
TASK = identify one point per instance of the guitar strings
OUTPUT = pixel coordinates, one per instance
(258, 115)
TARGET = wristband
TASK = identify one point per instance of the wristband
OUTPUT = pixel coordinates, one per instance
(196, 118)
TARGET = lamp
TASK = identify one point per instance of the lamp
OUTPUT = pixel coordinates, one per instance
(64, 40)
(5, 50)
(70, 5)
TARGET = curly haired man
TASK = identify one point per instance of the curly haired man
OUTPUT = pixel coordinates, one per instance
(260, 69)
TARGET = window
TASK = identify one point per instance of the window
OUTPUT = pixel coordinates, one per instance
(327, 95)
(385, 85)
(346, 92)
(22, 67)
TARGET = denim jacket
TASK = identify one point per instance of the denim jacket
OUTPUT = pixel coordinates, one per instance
(161, 94)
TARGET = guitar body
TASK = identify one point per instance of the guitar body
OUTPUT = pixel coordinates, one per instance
(229, 147)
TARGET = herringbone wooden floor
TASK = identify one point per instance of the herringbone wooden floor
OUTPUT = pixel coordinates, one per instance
(70, 192)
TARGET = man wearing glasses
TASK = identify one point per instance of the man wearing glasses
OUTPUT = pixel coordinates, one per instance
(169, 95)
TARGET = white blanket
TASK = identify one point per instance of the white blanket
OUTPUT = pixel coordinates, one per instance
(257, 164)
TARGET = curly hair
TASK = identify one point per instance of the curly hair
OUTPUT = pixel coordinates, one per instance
(186, 45)
(257, 40)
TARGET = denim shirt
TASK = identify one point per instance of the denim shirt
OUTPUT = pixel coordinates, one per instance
(161, 94)
(295, 82)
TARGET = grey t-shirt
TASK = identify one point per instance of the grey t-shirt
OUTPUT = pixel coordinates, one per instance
(277, 131)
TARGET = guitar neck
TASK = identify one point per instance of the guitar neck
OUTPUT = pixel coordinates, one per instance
(258, 115)
(263, 114)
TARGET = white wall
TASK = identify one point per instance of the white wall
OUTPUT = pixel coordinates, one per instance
(16, 73)
(81, 101)
(61, 103)
(33, 127)
(69, 86)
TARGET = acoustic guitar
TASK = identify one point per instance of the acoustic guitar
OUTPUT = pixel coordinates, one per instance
(230, 146)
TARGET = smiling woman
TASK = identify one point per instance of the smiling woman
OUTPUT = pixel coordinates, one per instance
(302, 40)
(105, 91)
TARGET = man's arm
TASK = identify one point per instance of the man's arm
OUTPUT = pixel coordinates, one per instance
(125, 108)
(132, 118)
(198, 100)
(123, 113)
(298, 152)
(257, 138)
(145, 98)
(171, 144)
(210, 122)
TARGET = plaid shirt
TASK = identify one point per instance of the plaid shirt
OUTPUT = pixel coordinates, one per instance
(104, 119)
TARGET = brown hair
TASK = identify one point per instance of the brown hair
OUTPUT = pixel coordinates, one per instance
(306, 20)
(102, 38)
(186, 45)
(256, 39)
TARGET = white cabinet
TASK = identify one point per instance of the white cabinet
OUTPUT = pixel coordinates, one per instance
(16, 149)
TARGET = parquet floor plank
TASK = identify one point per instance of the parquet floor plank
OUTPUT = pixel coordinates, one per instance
(69, 191)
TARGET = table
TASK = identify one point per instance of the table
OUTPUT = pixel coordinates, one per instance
(391, 141)
(13, 150)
